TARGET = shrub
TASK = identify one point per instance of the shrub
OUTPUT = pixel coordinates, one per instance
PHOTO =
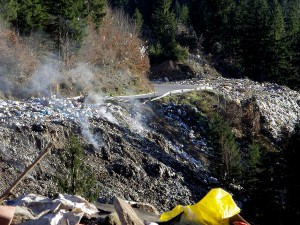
(17, 60)
(117, 52)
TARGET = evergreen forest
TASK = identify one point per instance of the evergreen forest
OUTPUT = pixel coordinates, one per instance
(258, 39)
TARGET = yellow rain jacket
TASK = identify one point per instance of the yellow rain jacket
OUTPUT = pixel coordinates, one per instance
(214, 209)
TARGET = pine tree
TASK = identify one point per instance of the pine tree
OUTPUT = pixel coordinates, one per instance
(122, 4)
(227, 163)
(253, 163)
(164, 22)
(164, 25)
(237, 28)
(68, 21)
(292, 156)
(182, 13)
(96, 11)
(10, 10)
(277, 52)
(292, 41)
(78, 177)
(26, 15)
(177, 10)
(138, 18)
(255, 39)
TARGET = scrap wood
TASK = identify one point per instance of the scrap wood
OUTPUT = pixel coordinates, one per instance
(25, 172)
(126, 214)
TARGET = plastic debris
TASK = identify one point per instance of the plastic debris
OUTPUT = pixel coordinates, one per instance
(64, 210)
(216, 208)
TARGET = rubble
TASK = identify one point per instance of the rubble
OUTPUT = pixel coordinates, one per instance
(120, 142)
(71, 210)
(278, 105)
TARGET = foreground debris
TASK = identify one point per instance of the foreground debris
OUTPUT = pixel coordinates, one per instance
(72, 210)
(217, 207)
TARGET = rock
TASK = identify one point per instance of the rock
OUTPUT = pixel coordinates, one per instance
(172, 71)
(126, 214)
(145, 207)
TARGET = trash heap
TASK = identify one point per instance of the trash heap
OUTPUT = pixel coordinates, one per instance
(130, 153)
(279, 106)
(59, 110)
(65, 209)
(216, 208)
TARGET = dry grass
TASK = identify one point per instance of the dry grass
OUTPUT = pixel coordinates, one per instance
(17, 61)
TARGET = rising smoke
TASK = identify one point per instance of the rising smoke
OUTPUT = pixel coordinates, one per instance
(25, 72)
(94, 139)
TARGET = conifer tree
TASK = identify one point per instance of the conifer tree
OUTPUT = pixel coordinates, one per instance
(182, 13)
(277, 53)
(9, 10)
(68, 21)
(255, 39)
(164, 25)
(96, 11)
(164, 22)
(78, 177)
(292, 41)
(292, 156)
(253, 162)
(227, 163)
(138, 18)
(26, 15)
(236, 30)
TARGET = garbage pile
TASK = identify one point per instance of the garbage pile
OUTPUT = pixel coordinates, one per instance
(76, 110)
(130, 160)
(52, 109)
(34, 209)
(216, 208)
(279, 106)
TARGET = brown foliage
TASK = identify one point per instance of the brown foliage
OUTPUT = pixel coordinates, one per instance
(110, 60)
(17, 60)
(116, 50)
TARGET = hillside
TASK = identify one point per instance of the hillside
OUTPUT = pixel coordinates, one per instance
(140, 152)
(69, 71)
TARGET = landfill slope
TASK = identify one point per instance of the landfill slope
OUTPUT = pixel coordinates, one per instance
(130, 158)
(155, 153)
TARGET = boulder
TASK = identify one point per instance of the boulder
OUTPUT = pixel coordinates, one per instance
(171, 71)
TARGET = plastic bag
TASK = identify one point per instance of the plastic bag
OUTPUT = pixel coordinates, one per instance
(214, 209)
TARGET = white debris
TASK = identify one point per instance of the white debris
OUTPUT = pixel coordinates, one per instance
(66, 209)
(279, 105)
